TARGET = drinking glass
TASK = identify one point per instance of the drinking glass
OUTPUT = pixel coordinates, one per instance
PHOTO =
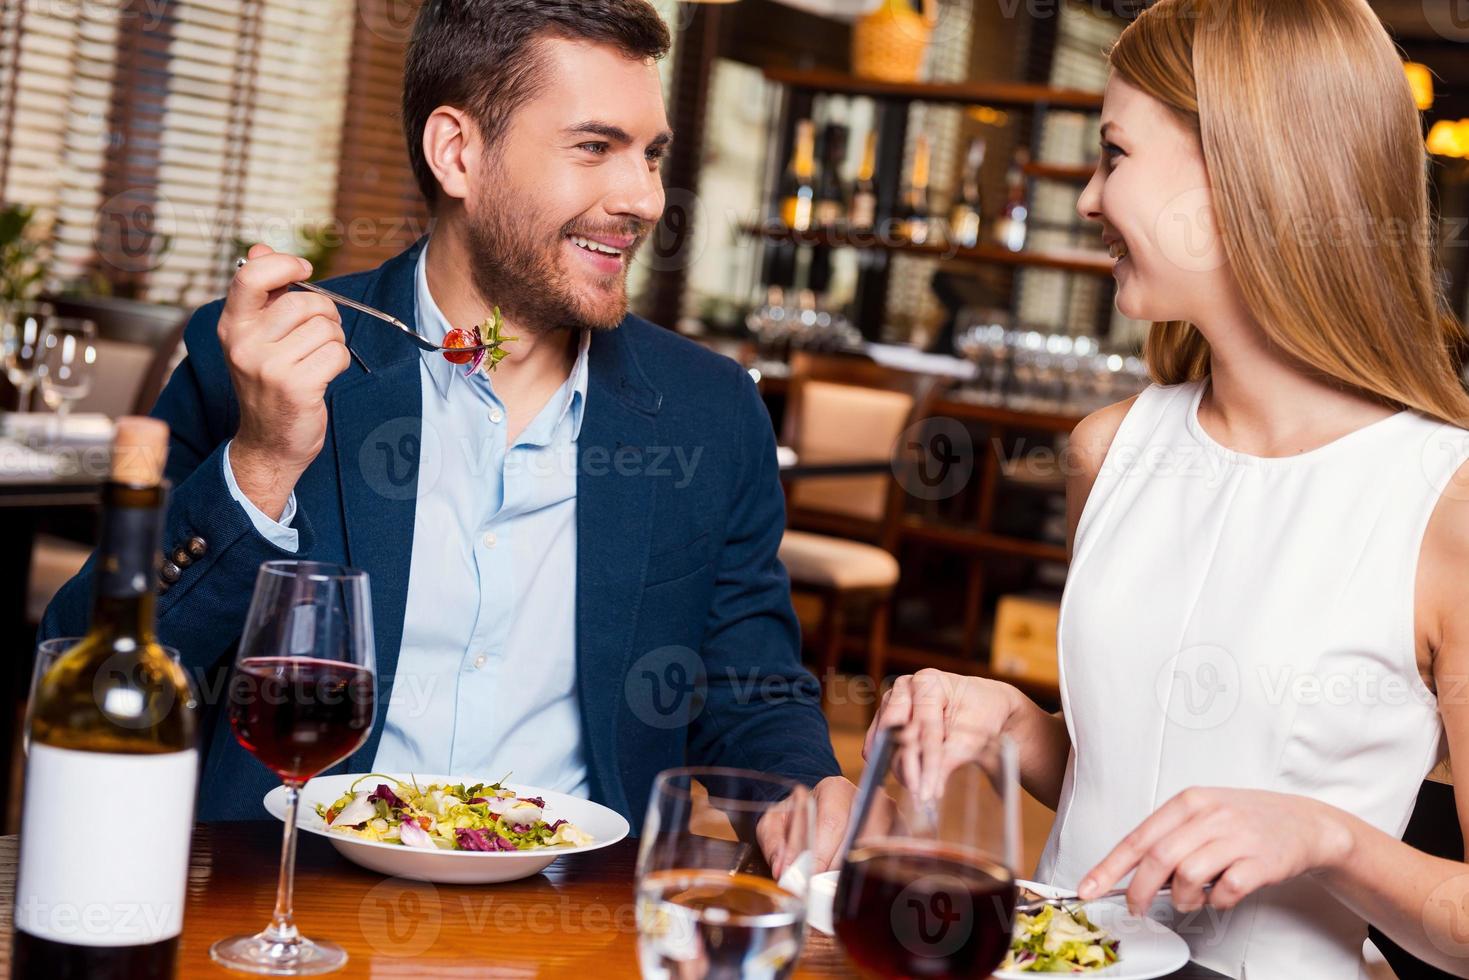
(20, 343)
(927, 888)
(64, 365)
(301, 700)
(47, 653)
(722, 875)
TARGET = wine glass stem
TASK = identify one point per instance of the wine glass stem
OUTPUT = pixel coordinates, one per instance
(283, 923)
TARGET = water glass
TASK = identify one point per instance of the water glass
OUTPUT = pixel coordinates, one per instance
(722, 875)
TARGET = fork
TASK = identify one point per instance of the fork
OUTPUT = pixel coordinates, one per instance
(420, 341)
(1040, 902)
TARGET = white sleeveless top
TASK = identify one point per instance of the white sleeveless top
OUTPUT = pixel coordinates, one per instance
(1237, 621)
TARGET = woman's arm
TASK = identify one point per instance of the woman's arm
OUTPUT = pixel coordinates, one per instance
(1422, 902)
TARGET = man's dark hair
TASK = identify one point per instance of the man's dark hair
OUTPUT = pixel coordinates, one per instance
(480, 56)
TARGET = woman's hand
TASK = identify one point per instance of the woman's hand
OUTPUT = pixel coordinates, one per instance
(1241, 840)
(951, 715)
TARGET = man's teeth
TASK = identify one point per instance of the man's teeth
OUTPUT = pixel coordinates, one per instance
(1118, 250)
(592, 246)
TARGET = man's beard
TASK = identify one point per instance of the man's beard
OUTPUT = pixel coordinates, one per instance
(517, 269)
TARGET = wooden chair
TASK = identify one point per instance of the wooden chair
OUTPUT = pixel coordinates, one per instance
(841, 529)
(136, 348)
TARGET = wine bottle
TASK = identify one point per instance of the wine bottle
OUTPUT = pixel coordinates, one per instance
(798, 195)
(113, 760)
(863, 213)
(831, 195)
(1014, 220)
(968, 213)
(913, 224)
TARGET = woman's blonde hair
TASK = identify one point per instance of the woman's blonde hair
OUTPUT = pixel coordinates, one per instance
(1319, 178)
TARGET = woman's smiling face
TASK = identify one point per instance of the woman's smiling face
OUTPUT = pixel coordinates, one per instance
(1151, 195)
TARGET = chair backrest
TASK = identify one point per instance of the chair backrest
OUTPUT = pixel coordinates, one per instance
(843, 408)
(135, 350)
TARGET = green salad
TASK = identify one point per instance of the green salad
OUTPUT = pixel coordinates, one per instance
(1059, 940)
(481, 817)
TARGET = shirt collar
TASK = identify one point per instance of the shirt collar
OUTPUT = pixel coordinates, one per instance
(432, 325)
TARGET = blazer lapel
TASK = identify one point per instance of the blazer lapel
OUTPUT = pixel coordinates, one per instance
(376, 427)
(614, 508)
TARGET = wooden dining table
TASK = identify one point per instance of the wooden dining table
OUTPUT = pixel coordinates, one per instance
(575, 919)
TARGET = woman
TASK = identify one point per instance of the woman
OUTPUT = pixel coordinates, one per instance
(1270, 545)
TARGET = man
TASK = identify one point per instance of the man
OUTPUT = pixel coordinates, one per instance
(573, 558)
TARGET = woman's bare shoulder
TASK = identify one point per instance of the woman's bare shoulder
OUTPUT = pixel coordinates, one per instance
(1093, 436)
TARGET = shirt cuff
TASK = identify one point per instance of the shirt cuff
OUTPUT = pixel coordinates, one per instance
(278, 533)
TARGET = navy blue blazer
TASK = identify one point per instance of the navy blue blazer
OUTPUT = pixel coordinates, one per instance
(687, 645)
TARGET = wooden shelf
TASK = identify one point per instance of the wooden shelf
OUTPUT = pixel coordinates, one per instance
(1066, 173)
(980, 542)
(960, 408)
(1010, 95)
(1087, 261)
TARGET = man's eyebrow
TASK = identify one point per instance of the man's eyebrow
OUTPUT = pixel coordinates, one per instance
(616, 133)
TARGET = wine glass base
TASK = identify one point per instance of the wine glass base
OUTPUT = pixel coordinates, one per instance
(259, 954)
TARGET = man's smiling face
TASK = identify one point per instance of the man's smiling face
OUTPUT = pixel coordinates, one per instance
(571, 190)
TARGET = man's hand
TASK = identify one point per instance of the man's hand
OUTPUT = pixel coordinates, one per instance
(833, 797)
(283, 348)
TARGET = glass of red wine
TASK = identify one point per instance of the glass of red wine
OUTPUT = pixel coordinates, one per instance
(927, 886)
(301, 700)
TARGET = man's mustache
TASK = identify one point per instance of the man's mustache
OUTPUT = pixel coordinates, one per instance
(636, 230)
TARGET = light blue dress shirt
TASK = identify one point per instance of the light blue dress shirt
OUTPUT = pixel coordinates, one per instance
(486, 681)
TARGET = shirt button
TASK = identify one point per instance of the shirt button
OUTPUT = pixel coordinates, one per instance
(490, 539)
(479, 661)
(496, 416)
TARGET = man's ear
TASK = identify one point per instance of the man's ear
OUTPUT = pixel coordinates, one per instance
(451, 146)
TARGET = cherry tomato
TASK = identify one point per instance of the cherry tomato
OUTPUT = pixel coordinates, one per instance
(459, 338)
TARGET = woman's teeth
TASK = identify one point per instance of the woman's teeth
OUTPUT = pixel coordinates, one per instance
(1118, 250)
(592, 246)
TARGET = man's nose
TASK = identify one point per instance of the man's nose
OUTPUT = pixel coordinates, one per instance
(638, 193)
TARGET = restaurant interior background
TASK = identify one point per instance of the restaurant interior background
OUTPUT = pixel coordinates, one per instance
(871, 204)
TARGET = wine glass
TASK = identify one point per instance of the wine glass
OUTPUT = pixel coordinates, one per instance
(64, 365)
(20, 343)
(47, 653)
(722, 875)
(301, 700)
(927, 887)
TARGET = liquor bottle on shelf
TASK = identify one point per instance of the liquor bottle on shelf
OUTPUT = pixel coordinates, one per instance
(1014, 220)
(965, 221)
(831, 196)
(114, 726)
(798, 193)
(863, 213)
(914, 223)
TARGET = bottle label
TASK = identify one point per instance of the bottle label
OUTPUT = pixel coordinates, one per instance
(104, 846)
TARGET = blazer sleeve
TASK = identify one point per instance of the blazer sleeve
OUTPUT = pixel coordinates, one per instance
(202, 614)
(753, 641)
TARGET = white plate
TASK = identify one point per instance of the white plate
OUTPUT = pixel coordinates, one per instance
(450, 867)
(1149, 949)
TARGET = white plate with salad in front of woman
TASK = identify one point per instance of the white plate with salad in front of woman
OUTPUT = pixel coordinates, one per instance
(449, 829)
(1104, 941)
